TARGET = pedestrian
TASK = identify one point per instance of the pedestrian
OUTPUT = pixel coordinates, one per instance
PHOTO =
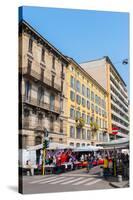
(29, 167)
(105, 166)
(110, 165)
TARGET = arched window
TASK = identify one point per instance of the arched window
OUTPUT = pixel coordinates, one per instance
(38, 140)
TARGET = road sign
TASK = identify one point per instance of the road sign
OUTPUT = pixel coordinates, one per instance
(115, 130)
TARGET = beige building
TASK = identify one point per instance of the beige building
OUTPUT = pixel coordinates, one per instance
(42, 71)
(109, 78)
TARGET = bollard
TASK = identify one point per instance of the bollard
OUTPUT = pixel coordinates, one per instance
(28, 173)
(101, 173)
(119, 178)
(32, 171)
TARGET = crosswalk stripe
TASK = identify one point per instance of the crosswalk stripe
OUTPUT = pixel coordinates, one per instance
(63, 180)
(83, 181)
(54, 179)
(74, 180)
(37, 181)
(93, 182)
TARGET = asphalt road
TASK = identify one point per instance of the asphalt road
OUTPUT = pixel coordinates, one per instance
(78, 180)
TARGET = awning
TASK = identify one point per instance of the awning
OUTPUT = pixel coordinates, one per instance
(119, 143)
(87, 149)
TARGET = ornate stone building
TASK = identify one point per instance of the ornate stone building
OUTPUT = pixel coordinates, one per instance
(41, 89)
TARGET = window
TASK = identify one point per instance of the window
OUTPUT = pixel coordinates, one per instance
(52, 101)
(38, 140)
(40, 95)
(78, 86)
(83, 144)
(78, 133)
(27, 89)
(42, 74)
(72, 95)
(24, 141)
(60, 140)
(88, 93)
(78, 114)
(97, 121)
(53, 79)
(99, 101)
(77, 144)
(29, 66)
(92, 107)
(61, 125)
(72, 132)
(92, 96)
(51, 124)
(40, 116)
(71, 144)
(103, 113)
(72, 82)
(83, 90)
(88, 135)
(88, 119)
(30, 45)
(72, 113)
(53, 62)
(96, 99)
(84, 116)
(88, 104)
(83, 134)
(43, 55)
(96, 108)
(78, 99)
(83, 102)
(99, 111)
(100, 123)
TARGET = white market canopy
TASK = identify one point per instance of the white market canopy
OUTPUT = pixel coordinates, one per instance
(119, 143)
(88, 148)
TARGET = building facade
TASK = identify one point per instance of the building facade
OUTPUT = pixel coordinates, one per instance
(118, 104)
(87, 101)
(42, 71)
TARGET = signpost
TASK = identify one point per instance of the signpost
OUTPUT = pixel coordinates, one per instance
(115, 132)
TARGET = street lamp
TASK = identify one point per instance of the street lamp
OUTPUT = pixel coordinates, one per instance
(45, 146)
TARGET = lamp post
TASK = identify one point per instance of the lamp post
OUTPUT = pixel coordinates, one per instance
(45, 146)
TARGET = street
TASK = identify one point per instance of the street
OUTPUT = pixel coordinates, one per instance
(78, 180)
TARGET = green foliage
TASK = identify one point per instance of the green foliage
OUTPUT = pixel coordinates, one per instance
(94, 127)
(80, 122)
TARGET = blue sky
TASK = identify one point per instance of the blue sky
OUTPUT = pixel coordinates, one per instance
(84, 35)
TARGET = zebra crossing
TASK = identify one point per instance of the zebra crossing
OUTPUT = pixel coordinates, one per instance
(67, 180)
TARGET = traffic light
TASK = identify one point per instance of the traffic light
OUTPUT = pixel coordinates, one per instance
(46, 144)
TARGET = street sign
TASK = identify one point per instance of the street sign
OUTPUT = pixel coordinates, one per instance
(115, 130)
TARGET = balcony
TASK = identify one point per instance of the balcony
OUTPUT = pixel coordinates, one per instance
(36, 76)
(46, 106)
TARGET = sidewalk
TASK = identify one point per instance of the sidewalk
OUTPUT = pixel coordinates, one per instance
(113, 181)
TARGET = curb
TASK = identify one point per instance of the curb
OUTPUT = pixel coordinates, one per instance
(116, 185)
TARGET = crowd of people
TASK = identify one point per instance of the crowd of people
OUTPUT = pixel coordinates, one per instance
(112, 162)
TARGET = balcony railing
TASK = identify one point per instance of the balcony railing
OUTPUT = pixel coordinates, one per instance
(38, 76)
(43, 105)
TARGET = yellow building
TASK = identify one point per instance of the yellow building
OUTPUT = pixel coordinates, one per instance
(86, 108)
